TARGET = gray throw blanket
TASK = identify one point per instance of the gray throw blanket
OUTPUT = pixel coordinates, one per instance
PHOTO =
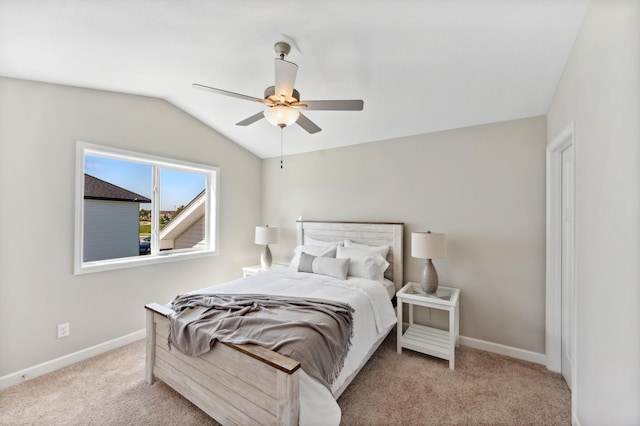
(317, 333)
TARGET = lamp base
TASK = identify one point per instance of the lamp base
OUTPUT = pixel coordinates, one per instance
(429, 283)
(265, 258)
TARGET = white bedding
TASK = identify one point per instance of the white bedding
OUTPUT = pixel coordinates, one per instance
(390, 287)
(374, 317)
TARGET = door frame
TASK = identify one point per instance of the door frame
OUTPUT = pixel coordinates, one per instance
(553, 319)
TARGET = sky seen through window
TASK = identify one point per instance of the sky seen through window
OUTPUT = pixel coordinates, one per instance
(178, 187)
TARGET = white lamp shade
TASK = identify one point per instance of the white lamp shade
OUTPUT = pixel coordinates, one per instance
(428, 245)
(266, 235)
(281, 115)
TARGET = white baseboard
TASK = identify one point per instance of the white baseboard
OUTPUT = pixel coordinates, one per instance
(537, 357)
(49, 366)
(574, 420)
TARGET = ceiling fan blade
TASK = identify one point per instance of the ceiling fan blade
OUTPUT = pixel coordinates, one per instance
(285, 73)
(251, 120)
(344, 105)
(307, 124)
(227, 93)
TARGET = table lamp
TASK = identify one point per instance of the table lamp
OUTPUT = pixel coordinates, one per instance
(266, 235)
(429, 245)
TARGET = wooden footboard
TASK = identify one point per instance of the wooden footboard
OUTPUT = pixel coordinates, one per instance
(234, 384)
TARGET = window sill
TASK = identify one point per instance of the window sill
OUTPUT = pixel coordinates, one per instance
(131, 262)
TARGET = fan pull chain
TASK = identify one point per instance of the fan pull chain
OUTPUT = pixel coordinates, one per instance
(281, 137)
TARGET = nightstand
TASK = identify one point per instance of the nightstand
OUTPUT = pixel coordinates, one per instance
(248, 271)
(428, 340)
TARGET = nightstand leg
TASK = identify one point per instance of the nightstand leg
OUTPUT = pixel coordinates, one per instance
(452, 338)
(457, 326)
(399, 325)
(410, 314)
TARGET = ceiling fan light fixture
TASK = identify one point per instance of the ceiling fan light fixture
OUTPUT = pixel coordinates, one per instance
(281, 115)
(282, 100)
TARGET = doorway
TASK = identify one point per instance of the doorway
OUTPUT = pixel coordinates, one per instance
(560, 285)
(567, 282)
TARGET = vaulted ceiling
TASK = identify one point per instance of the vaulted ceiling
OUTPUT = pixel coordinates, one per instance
(419, 65)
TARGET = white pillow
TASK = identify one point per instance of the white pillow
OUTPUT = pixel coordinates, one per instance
(322, 251)
(382, 250)
(313, 242)
(332, 267)
(364, 263)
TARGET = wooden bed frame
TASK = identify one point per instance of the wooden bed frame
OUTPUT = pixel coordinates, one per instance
(249, 384)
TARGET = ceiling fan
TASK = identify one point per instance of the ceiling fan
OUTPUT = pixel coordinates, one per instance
(283, 100)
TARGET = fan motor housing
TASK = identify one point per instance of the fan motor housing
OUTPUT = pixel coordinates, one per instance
(270, 93)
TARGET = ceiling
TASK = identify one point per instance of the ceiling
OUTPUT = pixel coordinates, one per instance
(419, 65)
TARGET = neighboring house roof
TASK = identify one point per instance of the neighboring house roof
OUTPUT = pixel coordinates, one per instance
(97, 189)
(186, 218)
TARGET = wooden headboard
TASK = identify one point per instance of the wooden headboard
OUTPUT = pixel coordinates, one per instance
(370, 233)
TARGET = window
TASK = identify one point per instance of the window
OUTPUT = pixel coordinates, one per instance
(136, 209)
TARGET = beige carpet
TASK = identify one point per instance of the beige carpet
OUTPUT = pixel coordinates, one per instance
(397, 389)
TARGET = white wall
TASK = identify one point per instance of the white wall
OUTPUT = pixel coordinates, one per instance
(484, 186)
(39, 127)
(600, 92)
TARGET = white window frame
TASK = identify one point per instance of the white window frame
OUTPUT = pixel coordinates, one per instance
(212, 201)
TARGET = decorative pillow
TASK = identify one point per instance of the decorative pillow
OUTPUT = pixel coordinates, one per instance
(337, 268)
(364, 263)
(312, 250)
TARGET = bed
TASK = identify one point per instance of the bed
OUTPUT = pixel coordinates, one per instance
(249, 384)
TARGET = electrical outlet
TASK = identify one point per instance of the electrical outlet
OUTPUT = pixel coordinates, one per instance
(63, 330)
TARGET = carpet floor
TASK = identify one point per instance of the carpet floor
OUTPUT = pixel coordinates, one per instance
(406, 389)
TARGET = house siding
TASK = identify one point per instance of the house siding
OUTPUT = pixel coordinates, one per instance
(192, 236)
(111, 230)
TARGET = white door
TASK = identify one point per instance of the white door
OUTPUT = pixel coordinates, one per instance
(567, 267)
